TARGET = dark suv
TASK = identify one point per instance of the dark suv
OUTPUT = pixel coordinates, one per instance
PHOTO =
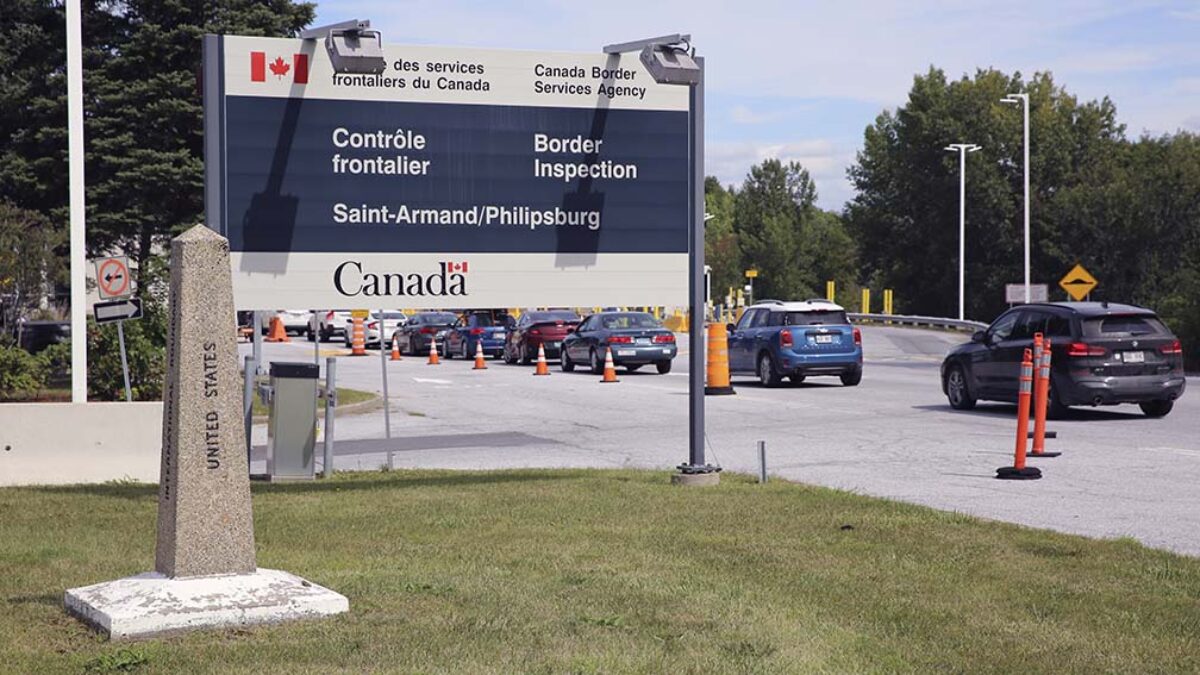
(1102, 354)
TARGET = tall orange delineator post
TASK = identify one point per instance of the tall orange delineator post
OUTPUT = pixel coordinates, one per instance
(718, 362)
(1018, 471)
(358, 337)
(1041, 396)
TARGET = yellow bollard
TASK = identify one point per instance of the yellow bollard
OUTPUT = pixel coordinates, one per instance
(866, 301)
(830, 290)
(717, 375)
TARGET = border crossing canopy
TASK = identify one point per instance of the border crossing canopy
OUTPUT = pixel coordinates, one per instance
(457, 177)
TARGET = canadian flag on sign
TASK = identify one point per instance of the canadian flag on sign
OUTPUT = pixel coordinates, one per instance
(298, 67)
(456, 267)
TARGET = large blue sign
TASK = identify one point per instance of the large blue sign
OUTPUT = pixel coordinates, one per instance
(550, 178)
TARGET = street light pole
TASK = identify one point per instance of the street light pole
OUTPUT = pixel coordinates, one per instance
(1023, 99)
(962, 149)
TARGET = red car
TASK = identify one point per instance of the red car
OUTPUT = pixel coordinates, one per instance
(546, 329)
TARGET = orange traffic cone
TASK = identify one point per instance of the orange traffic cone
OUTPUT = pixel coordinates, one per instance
(395, 348)
(358, 338)
(479, 359)
(277, 333)
(610, 370)
(433, 355)
(542, 367)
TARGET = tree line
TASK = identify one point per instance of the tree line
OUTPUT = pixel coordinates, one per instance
(1127, 208)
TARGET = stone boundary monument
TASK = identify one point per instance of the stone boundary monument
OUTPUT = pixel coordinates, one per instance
(205, 573)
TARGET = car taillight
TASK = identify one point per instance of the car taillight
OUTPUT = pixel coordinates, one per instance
(426, 330)
(329, 316)
(535, 332)
(476, 331)
(373, 324)
(857, 337)
(785, 339)
(1173, 348)
(620, 339)
(1084, 349)
(667, 339)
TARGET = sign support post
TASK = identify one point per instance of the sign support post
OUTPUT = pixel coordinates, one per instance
(696, 461)
(124, 361)
(387, 414)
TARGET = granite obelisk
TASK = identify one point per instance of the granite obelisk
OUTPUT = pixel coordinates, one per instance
(204, 521)
(205, 574)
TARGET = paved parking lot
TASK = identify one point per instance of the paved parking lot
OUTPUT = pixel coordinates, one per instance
(1121, 474)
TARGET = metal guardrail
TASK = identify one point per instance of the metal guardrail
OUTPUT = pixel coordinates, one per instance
(924, 321)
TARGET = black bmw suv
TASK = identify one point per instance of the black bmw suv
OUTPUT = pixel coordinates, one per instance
(1102, 354)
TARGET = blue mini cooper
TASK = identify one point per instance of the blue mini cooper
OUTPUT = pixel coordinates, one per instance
(776, 339)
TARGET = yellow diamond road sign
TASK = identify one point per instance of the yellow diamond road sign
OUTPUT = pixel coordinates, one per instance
(1078, 283)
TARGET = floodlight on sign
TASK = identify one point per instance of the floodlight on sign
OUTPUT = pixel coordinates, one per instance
(353, 47)
(669, 64)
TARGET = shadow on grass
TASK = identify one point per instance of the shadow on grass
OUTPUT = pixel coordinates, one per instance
(371, 481)
(47, 599)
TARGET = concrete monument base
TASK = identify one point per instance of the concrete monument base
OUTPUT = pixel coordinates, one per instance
(151, 603)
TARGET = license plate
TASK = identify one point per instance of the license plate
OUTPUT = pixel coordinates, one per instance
(643, 341)
(625, 352)
(498, 335)
(824, 339)
(1135, 357)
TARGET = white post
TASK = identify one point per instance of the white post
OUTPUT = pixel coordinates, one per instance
(1025, 102)
(75, 186)
(962, 228)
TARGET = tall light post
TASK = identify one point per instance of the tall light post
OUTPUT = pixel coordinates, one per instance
(670, 59)
(962, 149)
(1023, 99)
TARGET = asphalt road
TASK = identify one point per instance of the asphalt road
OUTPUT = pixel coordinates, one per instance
(1120, 474)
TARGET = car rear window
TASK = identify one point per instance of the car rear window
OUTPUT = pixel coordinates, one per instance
(628, 320)
(566, 317)
(819, 318)
(1139, 324)
(445, 317)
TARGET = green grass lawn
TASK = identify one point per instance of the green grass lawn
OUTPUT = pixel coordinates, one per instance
(614, 572)
(346, 397)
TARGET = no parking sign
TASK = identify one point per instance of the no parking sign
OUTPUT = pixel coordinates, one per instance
(113, 280)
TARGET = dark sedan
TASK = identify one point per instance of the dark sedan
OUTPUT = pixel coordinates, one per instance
(546, 329)
(416, 335)
(636, 339)
(1102, 354)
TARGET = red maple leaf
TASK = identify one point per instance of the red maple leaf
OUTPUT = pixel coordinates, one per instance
(279, 67)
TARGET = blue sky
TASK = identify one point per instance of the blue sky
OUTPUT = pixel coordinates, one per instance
(801, 80)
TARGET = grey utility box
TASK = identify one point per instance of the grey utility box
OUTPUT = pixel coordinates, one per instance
(292, 427)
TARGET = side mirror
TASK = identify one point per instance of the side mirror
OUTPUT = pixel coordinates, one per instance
(729, 327)
(979, 336)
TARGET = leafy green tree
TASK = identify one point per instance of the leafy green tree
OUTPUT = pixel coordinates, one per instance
(145, 131)
(721, 252)
(904, 216)
(771, 212)
(29, 267)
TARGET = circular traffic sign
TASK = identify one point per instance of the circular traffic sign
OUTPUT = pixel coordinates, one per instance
(113, 278)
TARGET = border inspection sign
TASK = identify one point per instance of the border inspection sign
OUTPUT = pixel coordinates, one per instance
(457, 177)
(113, 280)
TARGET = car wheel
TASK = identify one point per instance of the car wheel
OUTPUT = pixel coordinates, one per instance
(597, 364)
(766, 371)
(526, 357)
(852, 378)
(463, 352)
(565, 362)
(796, 379)
(509, 357)
(310, 335)
(958, 392)
(445, 350)
(663, 367)
(1156, 408)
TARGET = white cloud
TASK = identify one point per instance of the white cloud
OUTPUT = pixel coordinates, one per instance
(824, 160)
(741, 114)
